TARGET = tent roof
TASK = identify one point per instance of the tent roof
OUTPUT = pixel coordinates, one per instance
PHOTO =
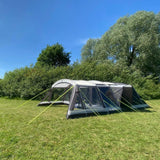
(64, 83)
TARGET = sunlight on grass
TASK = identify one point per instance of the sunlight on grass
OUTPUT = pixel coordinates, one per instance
(127, 135)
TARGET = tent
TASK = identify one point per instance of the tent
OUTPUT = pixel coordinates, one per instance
(93, 97)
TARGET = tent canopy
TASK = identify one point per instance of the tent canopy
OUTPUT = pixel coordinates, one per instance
(94, 97)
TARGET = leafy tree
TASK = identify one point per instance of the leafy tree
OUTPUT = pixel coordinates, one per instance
(134, 41)
(53, 56)
(1, 87)
(87, 52)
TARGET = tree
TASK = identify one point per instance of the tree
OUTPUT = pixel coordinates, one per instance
(53, 56)
(87, 52)
(134, 41)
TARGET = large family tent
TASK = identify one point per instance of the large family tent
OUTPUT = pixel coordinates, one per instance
(93, 97)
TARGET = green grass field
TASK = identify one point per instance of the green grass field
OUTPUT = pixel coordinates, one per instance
(118, 136)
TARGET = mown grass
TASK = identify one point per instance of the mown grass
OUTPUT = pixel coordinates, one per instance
(127, 135)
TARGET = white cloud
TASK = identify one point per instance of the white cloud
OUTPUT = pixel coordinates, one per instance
(83, 41)
(2, 72)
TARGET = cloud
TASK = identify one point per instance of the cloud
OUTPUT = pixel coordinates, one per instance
(2, 72)
(83, 41)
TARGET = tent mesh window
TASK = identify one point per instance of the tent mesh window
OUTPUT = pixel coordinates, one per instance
(117, 93)
(59, 91)
(78, 103)
(90, 97)
(107, 96)
(67, 96)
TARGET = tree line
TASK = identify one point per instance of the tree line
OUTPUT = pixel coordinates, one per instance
(128, 52)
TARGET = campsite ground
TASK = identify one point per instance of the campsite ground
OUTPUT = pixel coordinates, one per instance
(127, 135)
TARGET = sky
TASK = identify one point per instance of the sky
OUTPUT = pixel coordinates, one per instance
(28, 26)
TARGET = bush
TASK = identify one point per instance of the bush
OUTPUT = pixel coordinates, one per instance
(1, 88)
(30, 81)
(149, 89)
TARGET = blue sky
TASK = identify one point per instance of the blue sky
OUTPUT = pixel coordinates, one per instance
(27, 26)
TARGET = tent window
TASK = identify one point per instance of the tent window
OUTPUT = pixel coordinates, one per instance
(117, 93)
(108, 97)
(78, 104)
(59, 91)
(67, 96)
(90, 97)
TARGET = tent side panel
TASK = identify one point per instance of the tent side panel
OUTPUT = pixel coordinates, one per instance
(73, 100)
(117, 93)
(127, 95)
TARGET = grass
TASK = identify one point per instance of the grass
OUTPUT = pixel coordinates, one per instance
(122, 136)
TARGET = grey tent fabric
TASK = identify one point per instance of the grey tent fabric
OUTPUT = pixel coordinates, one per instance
(94, 97)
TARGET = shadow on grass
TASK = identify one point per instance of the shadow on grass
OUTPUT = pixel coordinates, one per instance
(112, 112)
(55, 105)
(124, 109)
(138, 110)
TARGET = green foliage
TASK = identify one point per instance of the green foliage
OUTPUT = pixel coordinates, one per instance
(12, 82)
(30, 81)
(122, 136)
(134, 41)
(1, 88)
(34, 82)
(88, 50)
(149, 89)
(53, 56)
